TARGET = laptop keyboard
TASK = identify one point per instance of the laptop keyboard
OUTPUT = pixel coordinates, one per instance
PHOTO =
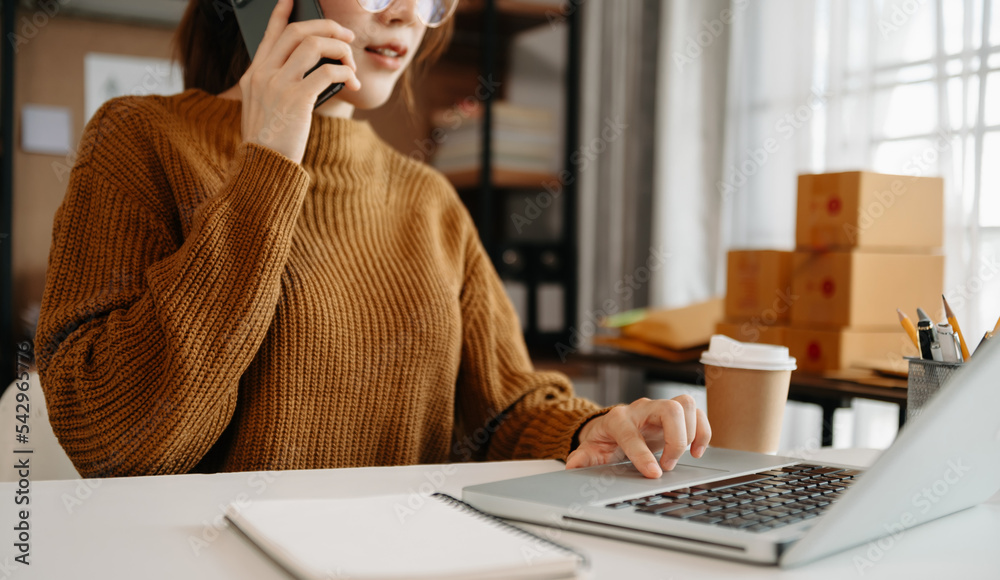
(756, 503)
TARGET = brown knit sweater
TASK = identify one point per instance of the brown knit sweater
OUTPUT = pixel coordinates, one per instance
(212, 306)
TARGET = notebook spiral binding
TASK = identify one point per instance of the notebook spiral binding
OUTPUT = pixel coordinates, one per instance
(455, 502)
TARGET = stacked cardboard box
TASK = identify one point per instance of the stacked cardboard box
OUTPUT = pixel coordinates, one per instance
(759, 296)
(867, 244)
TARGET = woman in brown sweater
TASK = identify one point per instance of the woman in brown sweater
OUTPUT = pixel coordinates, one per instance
(239, 282)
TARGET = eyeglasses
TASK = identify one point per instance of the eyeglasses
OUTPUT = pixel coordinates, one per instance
(432, 13)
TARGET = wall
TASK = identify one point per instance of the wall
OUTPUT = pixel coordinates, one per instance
(49, 71)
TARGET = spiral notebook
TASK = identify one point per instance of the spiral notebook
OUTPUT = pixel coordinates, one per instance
(399, 536)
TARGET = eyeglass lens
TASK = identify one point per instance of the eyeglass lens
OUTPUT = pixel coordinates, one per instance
(430, 12)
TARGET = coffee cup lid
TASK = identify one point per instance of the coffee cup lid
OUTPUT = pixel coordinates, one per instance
(726, 352)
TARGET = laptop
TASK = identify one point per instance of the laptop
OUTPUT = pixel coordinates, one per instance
(782, 510)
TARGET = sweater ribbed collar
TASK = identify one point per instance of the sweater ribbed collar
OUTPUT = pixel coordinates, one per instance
(344, 149)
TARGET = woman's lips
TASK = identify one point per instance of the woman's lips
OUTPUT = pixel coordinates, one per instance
(389, 56)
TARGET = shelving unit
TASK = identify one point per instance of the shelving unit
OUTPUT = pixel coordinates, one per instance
(502, 178)
(484, 30)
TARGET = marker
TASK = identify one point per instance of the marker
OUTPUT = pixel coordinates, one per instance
(950, 350)
(958, 329)
(925, 330)
(909, 328)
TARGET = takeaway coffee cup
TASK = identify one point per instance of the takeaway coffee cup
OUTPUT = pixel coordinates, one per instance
(747, 386)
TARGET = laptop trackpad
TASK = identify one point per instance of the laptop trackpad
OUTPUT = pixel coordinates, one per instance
(694, 472)
(627, 479)
(682, 473)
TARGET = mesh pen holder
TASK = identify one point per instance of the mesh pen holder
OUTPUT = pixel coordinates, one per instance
(924, 379)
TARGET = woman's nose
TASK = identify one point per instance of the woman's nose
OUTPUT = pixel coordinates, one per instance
(400, 12)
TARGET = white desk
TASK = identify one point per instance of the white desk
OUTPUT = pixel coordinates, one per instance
(164, 527)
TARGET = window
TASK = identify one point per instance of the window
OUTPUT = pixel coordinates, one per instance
(903, 86)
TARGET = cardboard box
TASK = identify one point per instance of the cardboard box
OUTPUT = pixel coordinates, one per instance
(679, 328)
(758, 285)
(750, 331)
(818, 351)
(861, 289)
(861, 209)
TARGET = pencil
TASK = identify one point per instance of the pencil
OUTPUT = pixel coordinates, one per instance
(958, 329)
(988, 336)
(996, 328)
(909, 328)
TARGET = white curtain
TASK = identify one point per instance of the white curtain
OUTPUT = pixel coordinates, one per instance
(618, 101)
(690, 116)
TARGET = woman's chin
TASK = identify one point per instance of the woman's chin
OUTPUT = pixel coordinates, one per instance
(365, 100)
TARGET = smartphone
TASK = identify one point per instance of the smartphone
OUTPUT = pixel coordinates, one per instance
(252, 16)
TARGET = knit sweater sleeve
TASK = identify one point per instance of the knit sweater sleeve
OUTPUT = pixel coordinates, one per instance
(520, 413)
(143, 336)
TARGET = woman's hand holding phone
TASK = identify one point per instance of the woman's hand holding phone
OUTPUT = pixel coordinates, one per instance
(278, 102)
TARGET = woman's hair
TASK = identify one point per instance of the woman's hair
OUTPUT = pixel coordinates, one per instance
(211, 50)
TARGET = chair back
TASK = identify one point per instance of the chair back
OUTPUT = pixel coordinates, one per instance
(47, 459)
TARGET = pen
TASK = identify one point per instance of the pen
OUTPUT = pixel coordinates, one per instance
(925, 330)
(956, 327)
(921, 315)
(950, 351)
(909, 328)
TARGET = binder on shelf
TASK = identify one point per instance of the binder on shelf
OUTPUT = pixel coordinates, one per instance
(517, 292)
(550, 299)
(523, 139)
(533, 215)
